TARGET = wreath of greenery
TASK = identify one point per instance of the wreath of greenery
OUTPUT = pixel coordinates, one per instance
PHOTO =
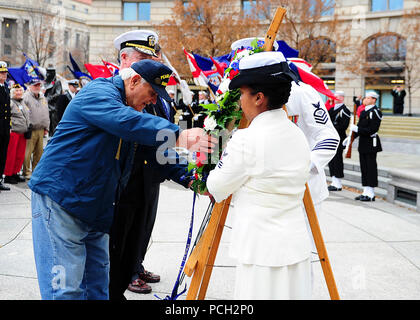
(223, 116)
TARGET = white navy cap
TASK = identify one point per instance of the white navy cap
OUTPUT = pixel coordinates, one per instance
(246, 42)
(263, 68)
(3, 66)
(261, 59)
(339, 93)
(372, 94)
(73, 82)
(141, 40)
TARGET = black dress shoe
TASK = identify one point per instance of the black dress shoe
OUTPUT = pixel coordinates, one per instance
(358, 197)
(367, 198)
(10, 180)
(19, 178)
(332, 188)
(3, 187)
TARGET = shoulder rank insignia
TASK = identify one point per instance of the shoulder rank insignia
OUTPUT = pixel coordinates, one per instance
(320, 115)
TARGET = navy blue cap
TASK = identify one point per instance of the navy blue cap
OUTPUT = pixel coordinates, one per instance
(156, 74)
(34, 81)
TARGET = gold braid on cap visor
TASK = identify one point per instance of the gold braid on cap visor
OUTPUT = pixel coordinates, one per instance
(129, 44)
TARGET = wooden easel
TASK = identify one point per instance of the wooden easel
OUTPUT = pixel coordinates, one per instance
(201, 261)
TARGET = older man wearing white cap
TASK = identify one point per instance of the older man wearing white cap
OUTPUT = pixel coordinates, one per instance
(340, 117)
(369, 144)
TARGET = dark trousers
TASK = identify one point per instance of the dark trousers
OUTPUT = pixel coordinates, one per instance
(147, 216)
(4, 144)
(134, 218)
(369, 169)
(398, 109)
(336, 165)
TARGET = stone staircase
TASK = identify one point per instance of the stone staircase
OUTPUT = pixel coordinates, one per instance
(400, 127)
(352, 179)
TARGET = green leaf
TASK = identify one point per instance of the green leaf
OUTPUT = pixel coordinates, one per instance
(210, 107)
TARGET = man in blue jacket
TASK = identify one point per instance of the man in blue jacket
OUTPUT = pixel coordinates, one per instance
(74, 184)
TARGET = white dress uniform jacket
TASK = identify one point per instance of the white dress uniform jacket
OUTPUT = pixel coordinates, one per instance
(323, 139)
(265, 167)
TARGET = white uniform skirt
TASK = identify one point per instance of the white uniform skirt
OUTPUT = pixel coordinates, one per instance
(291, 282)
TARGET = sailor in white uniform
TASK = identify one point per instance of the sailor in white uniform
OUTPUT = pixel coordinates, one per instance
(307, 108)
(265, 167)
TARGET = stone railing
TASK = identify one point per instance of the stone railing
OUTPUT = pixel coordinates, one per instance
(404, 187)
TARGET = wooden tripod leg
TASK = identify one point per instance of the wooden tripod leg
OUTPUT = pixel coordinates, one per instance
(213, 251)
(320, 245)
(208, 242)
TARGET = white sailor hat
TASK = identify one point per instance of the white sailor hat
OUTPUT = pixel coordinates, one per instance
(263, 68)
(339, 93)
(372, 94)
(141, 40)
(3, 66)
(246, 42)
(73, 82)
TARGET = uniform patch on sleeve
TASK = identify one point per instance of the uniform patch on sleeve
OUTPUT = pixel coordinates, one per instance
(320, 115)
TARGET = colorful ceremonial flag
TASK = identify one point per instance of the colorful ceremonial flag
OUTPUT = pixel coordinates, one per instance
(31, 67)
(220, 67)
(77, 72)
(206, 64)
(302, 69)
(287, 51)
(98, 71)
(28, 71)
(113, 69)
(187, 94)
(19, 75)
(198, 76)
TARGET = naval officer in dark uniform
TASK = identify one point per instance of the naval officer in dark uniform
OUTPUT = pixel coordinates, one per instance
(369, 145)
(138, 192)
(4, 121)
(340, 117)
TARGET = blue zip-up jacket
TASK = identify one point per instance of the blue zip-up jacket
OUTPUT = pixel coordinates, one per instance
(80, 167)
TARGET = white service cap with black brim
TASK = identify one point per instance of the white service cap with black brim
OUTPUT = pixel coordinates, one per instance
(141, 40)
(73, 82)
(156, 74)
(266, 68)
(3, 66)
(372, 94)
(247, 42)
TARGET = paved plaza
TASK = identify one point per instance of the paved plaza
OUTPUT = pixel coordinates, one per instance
(374, 248)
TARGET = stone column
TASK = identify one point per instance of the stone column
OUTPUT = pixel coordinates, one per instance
(1, 34)
(19, 37)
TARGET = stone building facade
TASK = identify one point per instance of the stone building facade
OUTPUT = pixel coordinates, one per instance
(49, 29)
(375, 56)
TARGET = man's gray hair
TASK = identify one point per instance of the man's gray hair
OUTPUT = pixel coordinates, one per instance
(130, 51)
(128, 73)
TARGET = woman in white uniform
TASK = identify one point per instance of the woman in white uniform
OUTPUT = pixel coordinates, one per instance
(265, 167)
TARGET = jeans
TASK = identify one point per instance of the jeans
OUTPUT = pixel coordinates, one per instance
(72, 261)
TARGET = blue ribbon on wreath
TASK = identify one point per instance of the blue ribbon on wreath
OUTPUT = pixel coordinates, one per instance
(174, 295)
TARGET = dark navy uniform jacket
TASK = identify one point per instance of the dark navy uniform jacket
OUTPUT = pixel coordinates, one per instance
(369, 123)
